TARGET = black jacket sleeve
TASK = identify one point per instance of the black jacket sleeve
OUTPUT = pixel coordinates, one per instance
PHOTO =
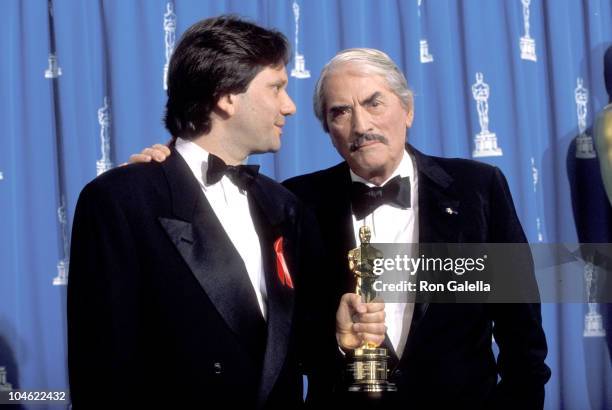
(103, 293)
(517, 327)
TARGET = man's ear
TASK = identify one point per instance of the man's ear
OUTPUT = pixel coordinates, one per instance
(227, 104)
(409, 118)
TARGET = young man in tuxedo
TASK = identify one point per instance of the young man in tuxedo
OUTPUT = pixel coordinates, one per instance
(190, 280)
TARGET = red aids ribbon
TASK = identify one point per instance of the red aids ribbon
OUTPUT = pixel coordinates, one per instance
(281, 264)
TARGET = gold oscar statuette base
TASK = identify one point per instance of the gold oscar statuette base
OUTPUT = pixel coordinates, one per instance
(368, 370)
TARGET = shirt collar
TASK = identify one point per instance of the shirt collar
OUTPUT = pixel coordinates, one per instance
(404, 169)
(196, 158)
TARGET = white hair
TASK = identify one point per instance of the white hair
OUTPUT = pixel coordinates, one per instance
(371, 61)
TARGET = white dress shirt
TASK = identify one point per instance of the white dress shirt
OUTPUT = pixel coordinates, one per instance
(231, 206)
(391, 224)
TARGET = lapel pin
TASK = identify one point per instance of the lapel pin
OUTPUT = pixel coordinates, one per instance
(451, 211)
(281, 265)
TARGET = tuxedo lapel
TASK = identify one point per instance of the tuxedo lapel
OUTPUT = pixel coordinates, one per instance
(206, 248)
(438, 222)
(269, 217)
(438, 203)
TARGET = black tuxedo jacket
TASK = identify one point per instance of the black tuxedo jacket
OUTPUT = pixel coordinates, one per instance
(448, 360)
(160, 306)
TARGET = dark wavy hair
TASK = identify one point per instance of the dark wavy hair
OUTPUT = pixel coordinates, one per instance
(216, 57)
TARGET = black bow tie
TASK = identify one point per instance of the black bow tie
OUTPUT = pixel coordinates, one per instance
(365, 199)
(241, 175)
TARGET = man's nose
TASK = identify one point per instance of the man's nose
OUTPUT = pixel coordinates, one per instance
(361, 122)
(288, 106)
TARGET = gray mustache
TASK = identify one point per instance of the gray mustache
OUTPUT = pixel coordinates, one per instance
(356, 144)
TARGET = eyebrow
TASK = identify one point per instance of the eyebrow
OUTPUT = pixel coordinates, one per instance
(337, 108)
(282, 83)
(371, 98)
(368, 100)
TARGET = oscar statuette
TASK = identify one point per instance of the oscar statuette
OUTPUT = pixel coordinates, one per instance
(367, 365)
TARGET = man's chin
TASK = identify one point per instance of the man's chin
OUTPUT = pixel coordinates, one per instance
(367, 167)
(270, 149)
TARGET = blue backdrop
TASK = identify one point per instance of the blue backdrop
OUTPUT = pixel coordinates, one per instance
(82, 88)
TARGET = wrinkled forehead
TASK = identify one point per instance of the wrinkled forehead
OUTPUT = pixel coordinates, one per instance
(356, 68)
(374, 79)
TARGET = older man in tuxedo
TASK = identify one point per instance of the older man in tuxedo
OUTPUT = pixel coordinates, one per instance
(190, 280)
(442, 354)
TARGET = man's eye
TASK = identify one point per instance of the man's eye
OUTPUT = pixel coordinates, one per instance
(375, 103)
(337, 112)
